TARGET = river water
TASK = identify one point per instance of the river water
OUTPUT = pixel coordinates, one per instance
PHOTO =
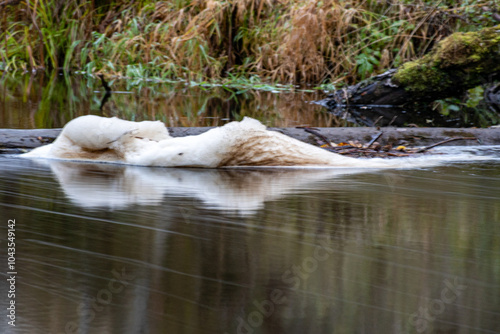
(102, 248)
(50, 102)
(106, 248)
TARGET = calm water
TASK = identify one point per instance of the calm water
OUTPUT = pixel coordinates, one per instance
(45, 101)
(116, 249)
(51, 101)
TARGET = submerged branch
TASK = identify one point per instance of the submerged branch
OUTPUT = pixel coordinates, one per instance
(444, 142)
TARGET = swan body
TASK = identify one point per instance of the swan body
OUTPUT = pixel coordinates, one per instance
(148, 143)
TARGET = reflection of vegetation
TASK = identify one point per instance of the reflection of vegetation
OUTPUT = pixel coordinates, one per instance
(470, 109)
(51, 102)
(39, 102)
(43, 102)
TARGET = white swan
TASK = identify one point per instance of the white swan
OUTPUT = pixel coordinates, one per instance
(245, 143)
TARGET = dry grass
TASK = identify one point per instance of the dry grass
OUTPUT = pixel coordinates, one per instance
(288, 41)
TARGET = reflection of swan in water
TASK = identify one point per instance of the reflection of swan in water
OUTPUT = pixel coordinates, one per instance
(104, 186)
(243, 191)
(245, 143)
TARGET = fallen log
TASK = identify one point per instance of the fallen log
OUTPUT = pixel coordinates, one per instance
(457, 63)
(18, 141)
(26, 139)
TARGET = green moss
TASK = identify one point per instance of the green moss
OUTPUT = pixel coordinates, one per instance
(466, 48)
(420, 75)
(466, 57)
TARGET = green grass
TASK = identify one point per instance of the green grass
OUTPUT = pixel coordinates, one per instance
(216, 42)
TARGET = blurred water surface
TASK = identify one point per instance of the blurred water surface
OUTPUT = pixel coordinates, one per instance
(52, 100)
(41, 101)
(120, 249)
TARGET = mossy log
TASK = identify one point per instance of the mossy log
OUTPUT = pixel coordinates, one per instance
(457, 63)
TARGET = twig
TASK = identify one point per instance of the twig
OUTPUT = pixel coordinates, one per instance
(107, 95)
(392, 120)
(444, 142)
(317, 134)
(374, 139)
(105, 99)
(104, 83)
(377, 120)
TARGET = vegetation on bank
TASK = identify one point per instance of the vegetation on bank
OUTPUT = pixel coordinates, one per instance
(285, 41)
(469, 57)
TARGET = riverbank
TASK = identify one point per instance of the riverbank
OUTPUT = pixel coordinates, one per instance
(288, 41)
